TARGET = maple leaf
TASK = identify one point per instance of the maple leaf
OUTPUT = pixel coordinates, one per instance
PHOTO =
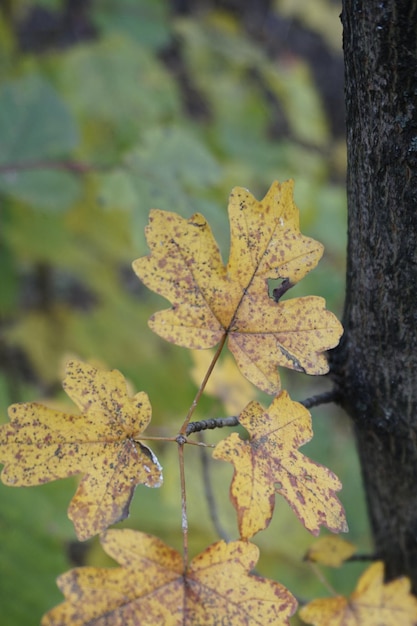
(269, 462)
(41, 444)
(211, 301)
(373, 603)
(151, 588)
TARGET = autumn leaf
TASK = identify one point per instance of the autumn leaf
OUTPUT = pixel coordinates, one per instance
(151, 588)
(41, 444)
(211, 301)
(269, 462)
(373, 603)
(330, 550)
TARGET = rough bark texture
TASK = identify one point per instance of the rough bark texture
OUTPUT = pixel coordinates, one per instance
(375, 368)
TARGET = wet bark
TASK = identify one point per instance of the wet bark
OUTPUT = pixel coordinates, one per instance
(375, 367)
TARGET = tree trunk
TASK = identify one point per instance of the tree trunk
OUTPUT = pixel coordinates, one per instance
(375, 367)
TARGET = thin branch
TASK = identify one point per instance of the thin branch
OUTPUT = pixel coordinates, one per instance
(320, 398)
(211, 424)
(209, 492)
(184, 518)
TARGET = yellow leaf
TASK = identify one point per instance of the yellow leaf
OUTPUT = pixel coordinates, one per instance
(270, 462)
(41, 444)
(226, 382)
(151, 587)
(373, 603)
(211, 301)
(330, 550)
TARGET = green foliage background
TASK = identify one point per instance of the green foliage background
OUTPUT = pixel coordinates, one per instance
(151, 109)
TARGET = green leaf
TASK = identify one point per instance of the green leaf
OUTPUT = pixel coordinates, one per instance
(117, 81)
(170, 161)
(35, 125)
(35, 129)
(145, 21)
(116, 190)
(48, 189)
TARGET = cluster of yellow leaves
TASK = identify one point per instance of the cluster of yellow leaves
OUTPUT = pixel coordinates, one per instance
(102, 442)
(373, 603)
(211, 303)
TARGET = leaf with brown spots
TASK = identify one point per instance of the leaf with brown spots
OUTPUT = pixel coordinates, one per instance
(373, 603)
(41, 444)
(269, 462)
(151, 587)
(211, 300)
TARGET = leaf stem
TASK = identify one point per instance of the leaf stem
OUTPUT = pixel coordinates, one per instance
(141, 437)
(203, 385)
(323, 579)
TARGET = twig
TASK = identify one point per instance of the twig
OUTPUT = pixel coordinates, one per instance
(184, 518)
(219, 422)
(320, 398)
(209, 493)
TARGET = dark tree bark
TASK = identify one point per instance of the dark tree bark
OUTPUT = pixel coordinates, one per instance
(375, 367)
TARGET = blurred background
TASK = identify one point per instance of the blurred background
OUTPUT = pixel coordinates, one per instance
(109, 108)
